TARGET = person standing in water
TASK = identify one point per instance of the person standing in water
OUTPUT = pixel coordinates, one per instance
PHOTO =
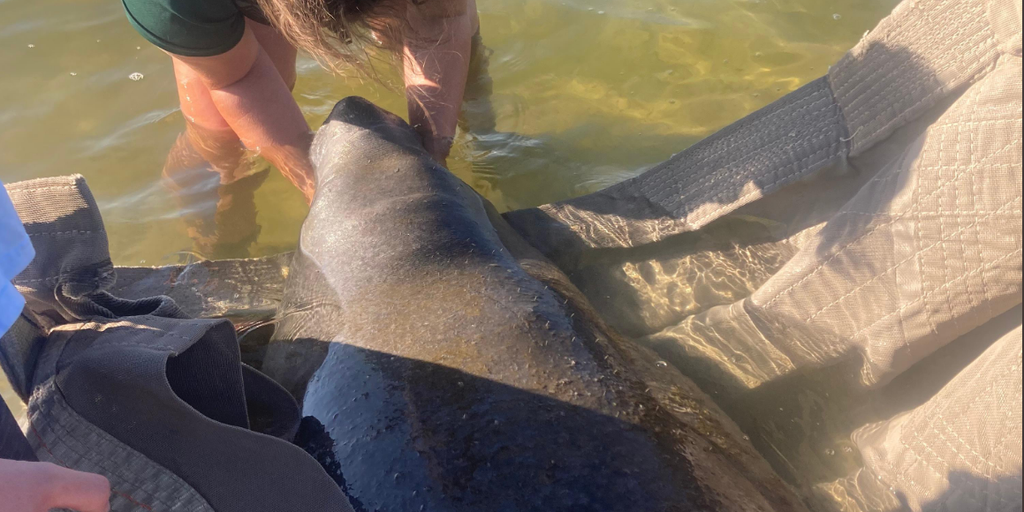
(234, 62)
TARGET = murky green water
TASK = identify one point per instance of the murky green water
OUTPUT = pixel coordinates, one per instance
(584, 94)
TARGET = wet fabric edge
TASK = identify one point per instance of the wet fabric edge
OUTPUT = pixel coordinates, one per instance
(247, 289)
(64, 224)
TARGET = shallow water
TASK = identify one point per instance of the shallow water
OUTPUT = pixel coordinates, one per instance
(585, 94)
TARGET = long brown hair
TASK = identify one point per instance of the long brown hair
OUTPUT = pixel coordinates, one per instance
(337, 32)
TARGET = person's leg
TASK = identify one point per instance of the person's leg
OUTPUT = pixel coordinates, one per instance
(278, 48)
(208, 164)
(206, 134)
(477, 110)
(207, 130)
(204, 162)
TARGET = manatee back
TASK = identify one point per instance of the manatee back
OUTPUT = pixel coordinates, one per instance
(451, 374)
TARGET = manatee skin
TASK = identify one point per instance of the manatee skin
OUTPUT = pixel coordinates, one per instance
(448, 367)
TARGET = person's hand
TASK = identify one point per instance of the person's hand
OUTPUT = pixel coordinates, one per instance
(41, 486)
(438, 39)
(294, 164)
(439, 148)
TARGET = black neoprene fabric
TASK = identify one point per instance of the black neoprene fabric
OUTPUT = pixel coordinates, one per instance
(13, 444)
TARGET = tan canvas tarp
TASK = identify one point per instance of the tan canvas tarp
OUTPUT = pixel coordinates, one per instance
(869, 219)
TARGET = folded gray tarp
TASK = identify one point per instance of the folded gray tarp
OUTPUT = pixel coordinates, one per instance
(859, 224)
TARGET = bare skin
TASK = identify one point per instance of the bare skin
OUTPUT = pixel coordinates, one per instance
(243, 97)
(41, 486)
(209, 150)
(436, 54)
(207, 131)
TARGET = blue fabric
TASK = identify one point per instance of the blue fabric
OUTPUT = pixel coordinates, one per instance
(15, 254)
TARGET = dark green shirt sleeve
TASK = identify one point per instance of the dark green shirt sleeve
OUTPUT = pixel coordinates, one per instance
(191, 28)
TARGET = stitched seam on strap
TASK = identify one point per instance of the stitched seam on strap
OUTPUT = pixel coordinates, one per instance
(801, 169)
(732, 145)
(889, 85)
(101, 327)
(737, 172)
(944, 256)
(942, 90)
(974, 203)
(755, 134)
(895, 26)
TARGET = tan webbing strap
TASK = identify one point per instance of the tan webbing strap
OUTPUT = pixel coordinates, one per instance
(918, 55)
(784, 142)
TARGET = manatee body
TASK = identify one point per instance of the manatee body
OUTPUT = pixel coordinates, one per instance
(447, 366)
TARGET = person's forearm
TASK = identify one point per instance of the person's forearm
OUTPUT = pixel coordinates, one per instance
(41, 486)
(260, 109)
(436, 62)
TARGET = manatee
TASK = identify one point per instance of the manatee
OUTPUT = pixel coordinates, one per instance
(444, 364)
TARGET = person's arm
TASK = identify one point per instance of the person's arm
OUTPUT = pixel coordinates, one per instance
(41, 486)
(438, 36)
(257, 104)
